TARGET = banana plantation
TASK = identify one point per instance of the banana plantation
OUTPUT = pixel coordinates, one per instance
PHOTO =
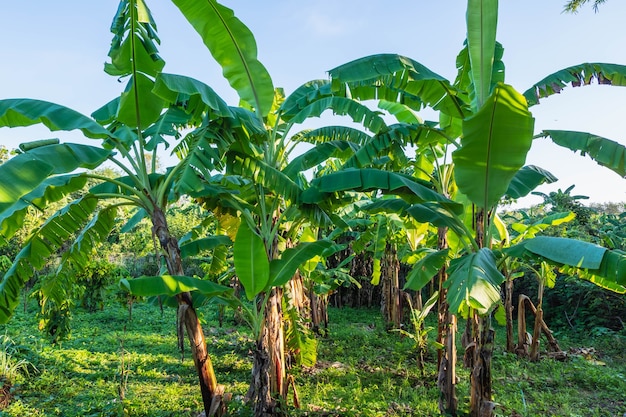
(281, 228)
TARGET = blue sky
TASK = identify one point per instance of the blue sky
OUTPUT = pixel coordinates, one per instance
(55, 51)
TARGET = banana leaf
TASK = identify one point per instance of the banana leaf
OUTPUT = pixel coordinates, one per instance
(368, 179)
(494, 147)
(424, 270)
(527, 179)
(482, 21)
(174, 88)
(576, 76)
(396, 78)
(20, 112)
(170, 285)
(474, 283)
(234, 48)
(251, 263)
(604, 151)
(284, 268)
(317, 155)
(44, 242)
(197, 246)
(30, 169)
(51, 190)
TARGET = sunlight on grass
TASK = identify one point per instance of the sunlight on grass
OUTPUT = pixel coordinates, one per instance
(363, 370)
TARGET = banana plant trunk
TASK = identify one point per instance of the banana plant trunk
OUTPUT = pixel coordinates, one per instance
(212, 394)
(391, 299)
(523, 340)
(319, 310)
(268, 386)
(479, 347)
(508, 308)
(478, 358)
(534, 346)
(446, 335)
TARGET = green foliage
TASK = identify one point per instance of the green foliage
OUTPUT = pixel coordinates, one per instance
(96, 279)
(233, 46)
(55, 319)
(362, 370)
(495, 142)
(14, 367)
(299, 340)
(578, 305)
(563, 201)
(573, 6)
(420, 331)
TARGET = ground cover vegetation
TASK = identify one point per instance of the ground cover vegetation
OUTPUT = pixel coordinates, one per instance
(275, 238)
(113, 366)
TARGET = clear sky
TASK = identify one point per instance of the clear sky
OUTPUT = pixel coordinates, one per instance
(55, 51)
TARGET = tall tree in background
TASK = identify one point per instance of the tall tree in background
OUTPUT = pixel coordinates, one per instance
(573, 6)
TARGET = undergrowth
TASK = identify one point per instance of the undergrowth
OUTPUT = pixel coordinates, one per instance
(362, 370)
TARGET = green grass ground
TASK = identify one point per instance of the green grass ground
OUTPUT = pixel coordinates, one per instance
(362, 370)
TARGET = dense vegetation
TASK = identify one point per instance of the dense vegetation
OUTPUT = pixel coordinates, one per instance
(242, 229)
(112, 363)
(122, 359)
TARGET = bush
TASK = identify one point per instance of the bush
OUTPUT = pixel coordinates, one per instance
(95, 279)
(576, 303)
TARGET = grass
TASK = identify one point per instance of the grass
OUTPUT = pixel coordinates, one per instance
(362, 370)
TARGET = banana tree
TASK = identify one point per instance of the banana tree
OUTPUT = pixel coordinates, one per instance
(133, 128)
(495, 130)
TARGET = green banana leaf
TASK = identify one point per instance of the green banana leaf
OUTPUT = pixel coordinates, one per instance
(284, 268)
(474, 283)
(251, 263)
(19, 112)
(263, 173)
(171, 285)
(604, 151)
(201, 153)
(567, 251)
(494, 147)
(298, 338)
(30, 169)
(234, 48)
(423, 271)
(396, 78)
(332, 134)
(527, 231)
(302, 97)
(317, 155)
(144, 58)
(576, 76)
(174, 88)
(169, 124)
(368, 179)
(51, 190)
(359, 113)
(402, 112)
(138, 104)
(139, 215)
(386, 205)
(438, 216)
(44, 242)
(603, 267)
(197, 246)
(527, 179)
(482, 22)
(383, 142)
(89, 238)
